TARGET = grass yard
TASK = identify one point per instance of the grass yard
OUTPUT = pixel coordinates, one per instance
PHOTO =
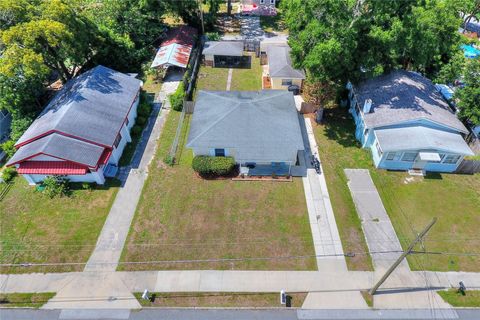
(183, 217)
(248, 79)
(24, 300)
(453, 199)
(220, 300)
(471, 299)
(37, 229)
(411, 203)
(212, 78)
(338, 150)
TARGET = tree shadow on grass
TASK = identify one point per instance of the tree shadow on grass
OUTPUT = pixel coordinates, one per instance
(340, 126)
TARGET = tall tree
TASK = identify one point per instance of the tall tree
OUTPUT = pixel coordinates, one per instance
(469, 96)
(337, 40)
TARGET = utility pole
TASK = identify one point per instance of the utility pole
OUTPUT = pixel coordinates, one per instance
(229, 7)
(404, 254)
(201, 15)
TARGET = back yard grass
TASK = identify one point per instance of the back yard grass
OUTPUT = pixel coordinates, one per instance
(183, 217)
(37, 229)
(410, 202)
(215, 79)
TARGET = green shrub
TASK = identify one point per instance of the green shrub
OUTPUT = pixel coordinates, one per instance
(136, 130)
(8, 174)
(213, 36)
(9, 148)
(144, 109)
(56, 186)
(218, 166)
(169, 160)
(87, 186)
(176, 99)
(141, 121)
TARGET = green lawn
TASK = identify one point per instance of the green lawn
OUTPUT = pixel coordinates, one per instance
(471, 299)
(248, 79)
(338, 150)
(242, 79)
(24, 300)
(183, 217)
(453, 199)
(212, 78)
(37, 229)
(220, 300)
(410, 203)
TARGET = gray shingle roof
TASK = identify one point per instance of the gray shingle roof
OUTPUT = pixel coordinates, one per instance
(280, 64)
(259, 125)
(402, 96)
(421, 138)
(92, 106)
(223, 48)
(62, 147)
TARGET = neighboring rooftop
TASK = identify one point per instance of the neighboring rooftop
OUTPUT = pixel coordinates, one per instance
(421, 138)
(402, 96)
(92, 107)
(175, 50)
(223, 48)
(280, 64)
(263, 124)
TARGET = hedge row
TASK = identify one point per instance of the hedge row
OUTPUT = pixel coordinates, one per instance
(219, 166)
(176, 99)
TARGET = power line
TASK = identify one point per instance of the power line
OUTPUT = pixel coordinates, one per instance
(212, 260)
(27, 264)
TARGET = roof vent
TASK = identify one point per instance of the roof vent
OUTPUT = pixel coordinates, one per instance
(367, 107)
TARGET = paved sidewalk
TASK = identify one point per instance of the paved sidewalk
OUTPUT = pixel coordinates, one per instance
(110, 244)
(249, 281)
(376, 224)
(326, 238)
(99, 286)
(229, 79)
(381, 237)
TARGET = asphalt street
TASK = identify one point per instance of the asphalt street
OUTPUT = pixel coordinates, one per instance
(237, 314)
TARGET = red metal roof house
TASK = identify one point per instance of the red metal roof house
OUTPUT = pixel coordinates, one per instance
(175, 50)
(85, 127)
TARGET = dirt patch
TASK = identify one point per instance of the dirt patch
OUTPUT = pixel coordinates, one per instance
(226, 300)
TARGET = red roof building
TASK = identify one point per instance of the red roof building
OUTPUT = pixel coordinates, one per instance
(175, 50)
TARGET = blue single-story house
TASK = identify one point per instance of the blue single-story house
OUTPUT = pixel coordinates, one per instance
(407, 124)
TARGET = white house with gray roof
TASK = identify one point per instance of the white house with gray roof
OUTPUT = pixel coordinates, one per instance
(280, 73)
(259, 129)
(406, 123)
(82, 130)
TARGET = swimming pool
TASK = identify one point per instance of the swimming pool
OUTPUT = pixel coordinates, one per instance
(470, 51)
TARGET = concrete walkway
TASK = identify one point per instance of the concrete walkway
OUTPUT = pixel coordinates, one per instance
(377, 227)
(326, 239)
(381, 237)
(246, 281)
(99, 279)
(325, 234)
(229, 79)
